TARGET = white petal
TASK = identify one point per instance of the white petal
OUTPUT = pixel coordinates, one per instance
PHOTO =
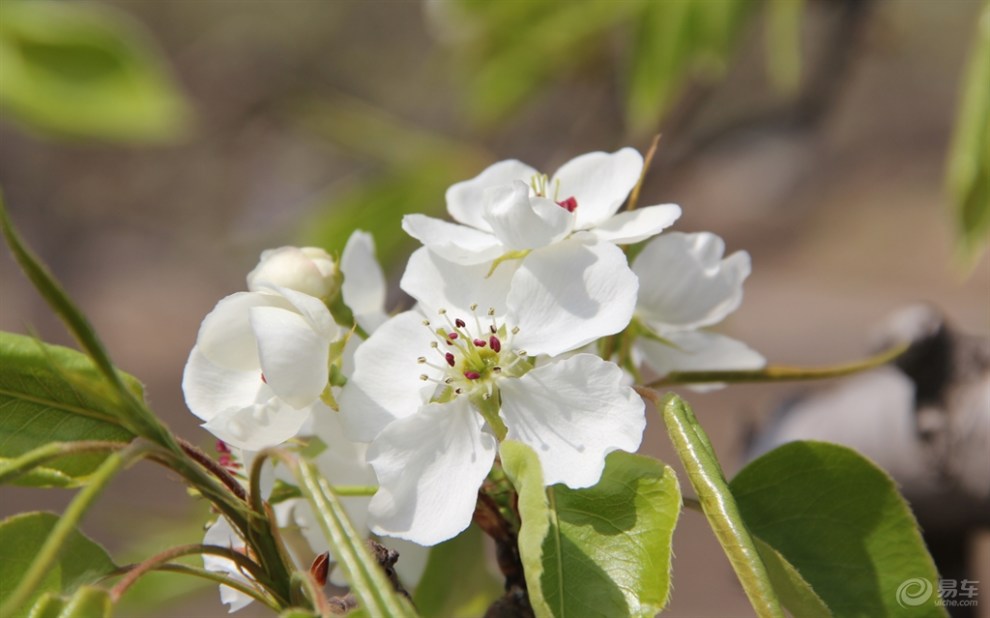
(454, 242)
(627, 228)
(364, 282)
(573, 412)
(466, 200)
(221, 533)
(438, 283)
(210, 388)
(294, 357)
(430, 466)
(313, 310)
(522, 222)
(699, 351)
(386, 384)
(260, 425)
(225, 337)
(600, 182)
(684, 283)
(570, 294)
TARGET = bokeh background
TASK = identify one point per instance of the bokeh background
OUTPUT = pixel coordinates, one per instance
(814, 135)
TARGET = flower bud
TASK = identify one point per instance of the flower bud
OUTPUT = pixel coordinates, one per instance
(309, 270)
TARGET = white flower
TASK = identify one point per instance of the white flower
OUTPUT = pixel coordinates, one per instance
(259, 366)
(434, 394)
(686, 285)
(511, 207)
(309, 270)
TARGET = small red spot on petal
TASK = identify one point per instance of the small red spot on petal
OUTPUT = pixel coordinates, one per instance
(263, 379)
(495, 343)
(472, 375)
(570, 204)
(449, 357)
(222, 447)
(480, 343)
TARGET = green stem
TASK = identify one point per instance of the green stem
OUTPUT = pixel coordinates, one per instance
(66, 525)
(696, 453)
(220, 579)
(779, 373)
(367, 579)
(51, 451)
(355, 490)
(158, 560)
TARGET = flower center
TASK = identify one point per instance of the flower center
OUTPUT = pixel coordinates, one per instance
(540, 184)
(472, 357)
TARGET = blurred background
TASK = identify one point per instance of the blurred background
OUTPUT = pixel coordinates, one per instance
(149, 151)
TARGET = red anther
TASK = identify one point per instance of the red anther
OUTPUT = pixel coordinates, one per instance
(480, 343)
(459, 323)
(320, 568)
(495, 343)
(452, 336)
(472, 375)
(449, 357)
(222, 447)
(570, 204)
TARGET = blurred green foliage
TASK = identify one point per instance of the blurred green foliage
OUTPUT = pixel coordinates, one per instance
(86, 71)
(969, 157)
(509, 51)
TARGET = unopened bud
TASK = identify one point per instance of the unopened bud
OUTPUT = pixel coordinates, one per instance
(309, 270)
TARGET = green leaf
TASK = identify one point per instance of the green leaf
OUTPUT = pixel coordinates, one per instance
(794, 592)
(455, 582)
(707, 479)
(839, 520)
(368, 582)
(969, 155)
(53, 394)
(604, 550)
(80, 561)
(85, 70)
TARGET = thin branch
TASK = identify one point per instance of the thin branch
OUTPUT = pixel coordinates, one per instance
(168, 555)
(215, 468)
(779, 373)
(647, 161)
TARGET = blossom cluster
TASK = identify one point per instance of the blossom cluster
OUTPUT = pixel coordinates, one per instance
(529, 324)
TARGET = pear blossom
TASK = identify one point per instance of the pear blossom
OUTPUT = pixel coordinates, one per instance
(261, 363)
(686, 285)
(435, 388)
(510, 208)
(309, 270)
